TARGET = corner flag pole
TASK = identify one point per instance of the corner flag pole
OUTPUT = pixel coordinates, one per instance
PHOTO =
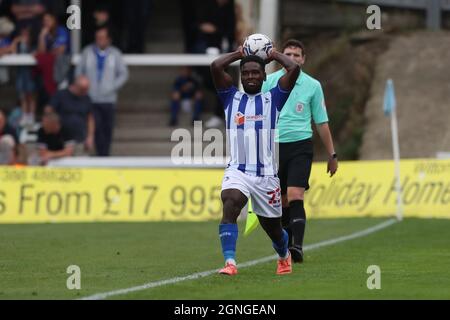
(390, 107)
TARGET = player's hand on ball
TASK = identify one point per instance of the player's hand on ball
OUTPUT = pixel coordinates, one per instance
(240, 49)
(271, 55)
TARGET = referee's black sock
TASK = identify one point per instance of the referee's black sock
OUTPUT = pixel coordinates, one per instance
(286, 224)
(298, 222)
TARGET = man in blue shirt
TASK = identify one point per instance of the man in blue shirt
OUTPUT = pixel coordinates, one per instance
(53, 37)
(185, 88)
(104, 66)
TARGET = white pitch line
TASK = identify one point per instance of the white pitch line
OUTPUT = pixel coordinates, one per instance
(198, 275)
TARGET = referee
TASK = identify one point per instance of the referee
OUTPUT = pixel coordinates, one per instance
(305, 103)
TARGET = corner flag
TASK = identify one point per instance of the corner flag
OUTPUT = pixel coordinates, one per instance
(252, 220)
(389, 98)
(389, 107)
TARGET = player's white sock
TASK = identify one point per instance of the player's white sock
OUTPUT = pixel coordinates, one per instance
(232, 261)
(286, 256)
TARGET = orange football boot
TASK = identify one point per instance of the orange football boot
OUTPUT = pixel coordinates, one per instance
(284, 265)
(229, 269)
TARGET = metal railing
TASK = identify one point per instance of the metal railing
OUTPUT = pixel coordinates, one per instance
(130, 59)
(138, 162)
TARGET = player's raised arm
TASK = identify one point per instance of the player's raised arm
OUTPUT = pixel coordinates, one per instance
(287, 82)
(222, 80)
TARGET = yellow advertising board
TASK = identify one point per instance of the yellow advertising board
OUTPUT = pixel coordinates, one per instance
(359, 189)
(367, 188)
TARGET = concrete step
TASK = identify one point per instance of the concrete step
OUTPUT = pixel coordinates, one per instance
(165, 47)
(150, 73)
(166, 33)
(141, 97)
(162, 9)
(146, 148)
(161, 18)
(154, 119)
(143, 134)
(141, 149)
(143, 106)
(145, 119)
(159, 133)
(142, 90)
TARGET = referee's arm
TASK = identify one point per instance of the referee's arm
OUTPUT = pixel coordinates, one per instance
(325, 135)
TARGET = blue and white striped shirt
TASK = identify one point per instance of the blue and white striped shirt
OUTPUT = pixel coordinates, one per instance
(251, 122)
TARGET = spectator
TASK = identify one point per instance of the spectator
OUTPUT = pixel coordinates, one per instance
(14, 118)
(4, 7)
(53, 54)
(103, 65)
(53, 37)
(8, 141)
(59, 8)
(6, 45)
(189, 18)
(6, 29)
(100, 18)
(27, 14)
(216, 29)
(216, 26)
(74, 108)
(137, 13)
(54, 141)
(186, 89)
(25, 82)
(243, 29)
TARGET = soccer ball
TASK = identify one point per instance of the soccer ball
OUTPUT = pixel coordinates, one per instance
(259, 45)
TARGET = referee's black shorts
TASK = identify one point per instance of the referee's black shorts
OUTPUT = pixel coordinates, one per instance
(295, 164)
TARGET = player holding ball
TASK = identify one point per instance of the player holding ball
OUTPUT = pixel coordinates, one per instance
(251, 118)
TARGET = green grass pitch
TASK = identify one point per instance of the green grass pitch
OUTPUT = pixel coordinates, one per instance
(414, 258)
